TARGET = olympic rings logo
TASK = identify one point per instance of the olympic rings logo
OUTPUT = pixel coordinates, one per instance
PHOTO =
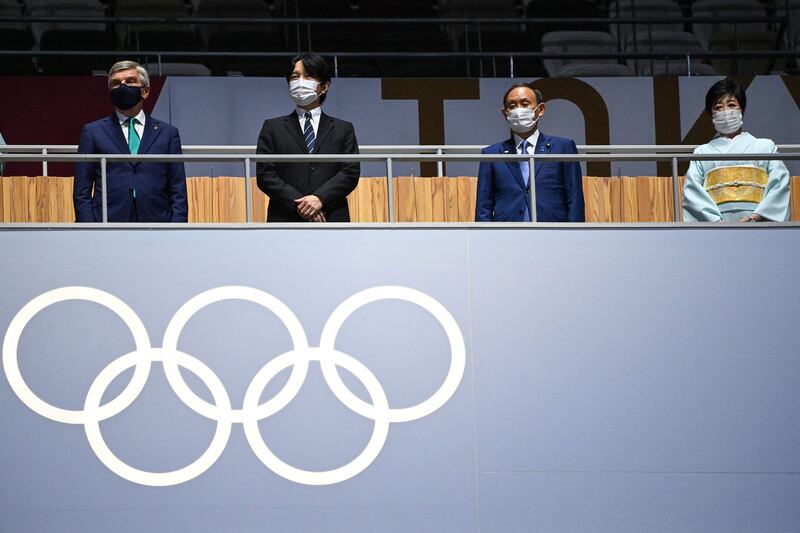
(252, 412)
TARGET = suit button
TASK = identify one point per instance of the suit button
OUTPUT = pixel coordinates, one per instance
(313, 168)
(521, 211)
(527, 189)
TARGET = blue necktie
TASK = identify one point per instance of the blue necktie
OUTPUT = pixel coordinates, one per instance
(308, 133)
(525, 169)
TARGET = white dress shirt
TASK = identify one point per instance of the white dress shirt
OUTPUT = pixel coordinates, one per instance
(123, 123)
(532, 140)
(315, 115)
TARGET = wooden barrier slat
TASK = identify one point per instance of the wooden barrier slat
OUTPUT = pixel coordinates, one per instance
(439, 199)
(406, 201)
(423, 199)
(379, 206)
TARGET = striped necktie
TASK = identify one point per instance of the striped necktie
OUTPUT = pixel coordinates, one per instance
(133, 136)
(308, 133)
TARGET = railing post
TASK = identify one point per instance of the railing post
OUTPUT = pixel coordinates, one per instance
(688, 65)
(439, 163)
(44, 163)
(390, 191)
(532, 189)
(511, 66)
(103, 182)
(248, 190)
(676, 205)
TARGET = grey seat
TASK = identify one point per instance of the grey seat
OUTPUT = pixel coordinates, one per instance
(15, 36)
(663, 9)
(666, 43)
(595, 42)
(177, 69)
(793, 26)
(726, 8)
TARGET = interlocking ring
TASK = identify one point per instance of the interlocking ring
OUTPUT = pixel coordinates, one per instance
(221, 410)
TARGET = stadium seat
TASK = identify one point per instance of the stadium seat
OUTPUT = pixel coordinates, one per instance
(177, 69)
(15, 36)
(664, 9)
(538, 9)
(726, 8)
(404, 9)
(666, 42)
(167, 37)
(582, 42)
(744, 40)
(59, 36)
(793, 26)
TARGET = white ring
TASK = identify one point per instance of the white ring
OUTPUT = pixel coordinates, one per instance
(157, 479)
(29, 310)
(307, 477)
(457, 352)
(232, 292)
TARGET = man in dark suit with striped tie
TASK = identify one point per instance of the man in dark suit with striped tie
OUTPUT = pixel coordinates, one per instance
(138, 191)
(313, 191)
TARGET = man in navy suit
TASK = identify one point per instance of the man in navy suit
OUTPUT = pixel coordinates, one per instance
(503, 186)
(137, 191)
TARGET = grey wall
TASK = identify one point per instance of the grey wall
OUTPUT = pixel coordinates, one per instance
(617, 379)
(231, 111)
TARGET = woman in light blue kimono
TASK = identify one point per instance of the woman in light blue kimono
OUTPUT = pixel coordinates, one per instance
(734, 191)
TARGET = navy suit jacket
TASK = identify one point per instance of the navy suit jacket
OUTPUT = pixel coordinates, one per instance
(503, 196)
(160, 187)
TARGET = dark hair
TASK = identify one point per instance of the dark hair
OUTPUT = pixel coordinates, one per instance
(536, 92)
(722, 89)
(316, 67)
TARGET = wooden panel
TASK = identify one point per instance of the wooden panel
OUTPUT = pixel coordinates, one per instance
(258, 202)
(465, 200)
(603, 198)
(405, 200)
(199, 193)
(65, 207)
(230, 199)
(629, 199)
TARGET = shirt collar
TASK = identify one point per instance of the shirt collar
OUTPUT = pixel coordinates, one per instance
(532, 140)
(315, 113)
(140, 117)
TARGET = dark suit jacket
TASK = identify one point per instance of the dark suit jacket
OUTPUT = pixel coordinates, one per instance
(285, 182)
(503, 196)
(160, 187)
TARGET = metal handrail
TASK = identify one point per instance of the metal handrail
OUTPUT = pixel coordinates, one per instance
(460, 21)
(388, 159)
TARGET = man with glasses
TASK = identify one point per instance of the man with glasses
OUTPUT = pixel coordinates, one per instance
(504, 186)
(136, 191)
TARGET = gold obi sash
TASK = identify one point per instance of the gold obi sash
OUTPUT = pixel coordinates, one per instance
(736, 184)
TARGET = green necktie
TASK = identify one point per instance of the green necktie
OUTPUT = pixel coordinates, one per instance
(133, 136)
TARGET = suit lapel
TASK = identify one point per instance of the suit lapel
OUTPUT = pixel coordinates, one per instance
(325, 127)
(292, 124)
(114, 132)
(151, 130)
(510, 148)
(543, 146)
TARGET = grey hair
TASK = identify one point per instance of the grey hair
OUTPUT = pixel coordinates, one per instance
(119, 66)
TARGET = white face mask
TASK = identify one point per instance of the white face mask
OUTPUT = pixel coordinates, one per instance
(521, 119)
(727, 122)
(303, 92)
